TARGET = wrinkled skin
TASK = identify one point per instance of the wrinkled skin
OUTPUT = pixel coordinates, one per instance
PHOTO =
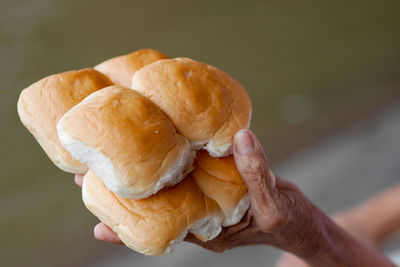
(372, 222)
(346, 220)
(279, 215)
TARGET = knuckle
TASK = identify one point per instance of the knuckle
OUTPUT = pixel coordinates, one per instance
(253, 169)
(220, 249)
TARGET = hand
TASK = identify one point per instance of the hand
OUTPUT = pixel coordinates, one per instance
(279, 215)
(274, 203)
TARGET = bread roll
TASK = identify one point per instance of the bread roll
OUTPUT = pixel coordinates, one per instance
(127, 141)
(205, 104)
(121, 69)
(219, 179)
(155, 225)
(42, 104)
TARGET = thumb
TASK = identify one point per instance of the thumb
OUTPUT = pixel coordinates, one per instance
(253, 168)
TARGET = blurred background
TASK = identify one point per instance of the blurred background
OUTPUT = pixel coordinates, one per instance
(324, 78)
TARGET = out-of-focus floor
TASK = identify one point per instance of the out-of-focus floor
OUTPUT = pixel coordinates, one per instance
(335, 173)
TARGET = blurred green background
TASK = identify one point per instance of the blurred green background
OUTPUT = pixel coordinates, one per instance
(310, 67)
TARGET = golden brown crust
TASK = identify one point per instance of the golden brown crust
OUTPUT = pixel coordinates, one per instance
(138, 138)
(220, 180)
(203, 102)
(148, 225)
(121, 69)
(137, 134)
(240, 116)
(42, 104)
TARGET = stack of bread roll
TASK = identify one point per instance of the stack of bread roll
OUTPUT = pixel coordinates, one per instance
(154, 137)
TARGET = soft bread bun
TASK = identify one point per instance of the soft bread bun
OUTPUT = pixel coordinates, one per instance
(127, 141)
(42, 104)
(155, 225)
(121, 69)
(205, 104)
(220, 180)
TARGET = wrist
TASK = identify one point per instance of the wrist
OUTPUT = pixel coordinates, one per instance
(315, 239)
(299, 227)
(303, 231)
(338, 248)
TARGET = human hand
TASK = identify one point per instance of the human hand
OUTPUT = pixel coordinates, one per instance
(279, 214)
(274, 206)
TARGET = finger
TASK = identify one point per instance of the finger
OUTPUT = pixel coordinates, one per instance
(191, 238)
(104, 233)
(217, 244)
(79, 179)
(244, 224)
(253, 168)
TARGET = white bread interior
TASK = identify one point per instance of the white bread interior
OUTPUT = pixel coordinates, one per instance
(205, 104)
(127, 141)
(121, 69)
(43, 103)
(232, 217)
(155, 225)
(220, 180)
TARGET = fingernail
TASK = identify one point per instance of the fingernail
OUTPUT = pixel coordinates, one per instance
(97, 232)
(244, 142)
